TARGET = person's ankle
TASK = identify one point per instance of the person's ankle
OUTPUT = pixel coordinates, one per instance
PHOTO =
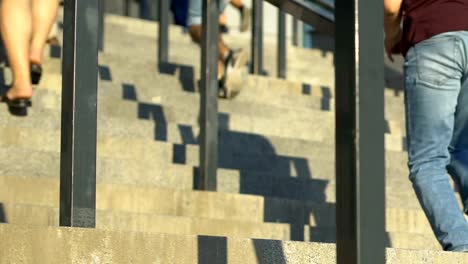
(35, 57)
(20, 92)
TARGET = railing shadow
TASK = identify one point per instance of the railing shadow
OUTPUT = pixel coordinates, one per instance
(154, 112)
(3, 217)
(269, 251)
(186, 74)
(212, 250)
(285, 182)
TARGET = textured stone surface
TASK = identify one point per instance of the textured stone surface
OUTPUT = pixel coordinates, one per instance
(153, 223)
(65, 245)
(137, 199)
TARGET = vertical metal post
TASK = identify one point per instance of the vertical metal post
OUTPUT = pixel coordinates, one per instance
(257, 37)
(209, 97)
(79, 114)
(360, 157)
(163, 46)
(101, 25)
(281, 44)
(295, 37)
(127, 8)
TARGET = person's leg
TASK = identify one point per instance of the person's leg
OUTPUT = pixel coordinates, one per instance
(223, 28)
(432, 85)
(458, 167)
(144, 10)
(44, 13)
(245, 14)
(195, 31)
(15, 27)
(237, 4)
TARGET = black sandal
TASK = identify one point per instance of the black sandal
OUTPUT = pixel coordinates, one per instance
(36, 73)
(17, 107)
(222, 91)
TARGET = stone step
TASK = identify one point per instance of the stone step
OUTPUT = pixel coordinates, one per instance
(111, 95)
(63, 245)
(236, 150)
(183, 68)
(311, 66)
(186, 66)
(20, 214)
(151, 121)
(299, 64)
(198, 204)
(120, 69)
(234, 116)
(280, 181)
(179, 42)
(262, 90)
(160, 94)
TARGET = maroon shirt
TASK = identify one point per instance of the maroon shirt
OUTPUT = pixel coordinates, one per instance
(426, 18)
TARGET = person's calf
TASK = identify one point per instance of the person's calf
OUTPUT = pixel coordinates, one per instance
(195, 33)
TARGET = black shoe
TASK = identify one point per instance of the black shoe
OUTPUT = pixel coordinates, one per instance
(18, 107)
(223, 29)
(222, 91)
(36, 73)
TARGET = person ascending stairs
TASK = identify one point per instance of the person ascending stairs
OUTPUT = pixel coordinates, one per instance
(232, 68)
(25, 26)
(434, 41)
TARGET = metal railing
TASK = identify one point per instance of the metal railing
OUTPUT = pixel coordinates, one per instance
(360, 170)
(79, 113)
(163, 32)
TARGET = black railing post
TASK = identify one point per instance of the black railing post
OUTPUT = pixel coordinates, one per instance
(101, 24)
(79, 114)
(281, 44)
(209, 97)
(360, 156)
(295, 35)
(257, 38)
(127, 7)
(163, 46)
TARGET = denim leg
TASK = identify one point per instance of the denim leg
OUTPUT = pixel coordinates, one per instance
(195, 11)
(432, 86)
(458, 167)
(144, 10)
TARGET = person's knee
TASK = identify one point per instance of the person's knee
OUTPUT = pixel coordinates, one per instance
(428, 170)
(195, 32)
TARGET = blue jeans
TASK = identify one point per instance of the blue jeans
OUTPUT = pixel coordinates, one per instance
(144, 10)
(195, 11)
(436, 89)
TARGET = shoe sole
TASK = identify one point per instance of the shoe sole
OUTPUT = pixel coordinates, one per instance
(237, 76)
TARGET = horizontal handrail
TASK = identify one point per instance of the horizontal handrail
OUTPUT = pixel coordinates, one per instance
(320, 18)
(329, 4)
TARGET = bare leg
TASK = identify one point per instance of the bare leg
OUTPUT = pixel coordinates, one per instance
(15, 26)
(223, 19)
(44, 13)
(196, 34)
(237, 4)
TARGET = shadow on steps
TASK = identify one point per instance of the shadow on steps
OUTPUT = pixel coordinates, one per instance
(213, 250)
(3, 218)
(186, 74)
(285, 182)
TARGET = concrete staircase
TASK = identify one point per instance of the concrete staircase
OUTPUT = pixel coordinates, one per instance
(276, 182)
